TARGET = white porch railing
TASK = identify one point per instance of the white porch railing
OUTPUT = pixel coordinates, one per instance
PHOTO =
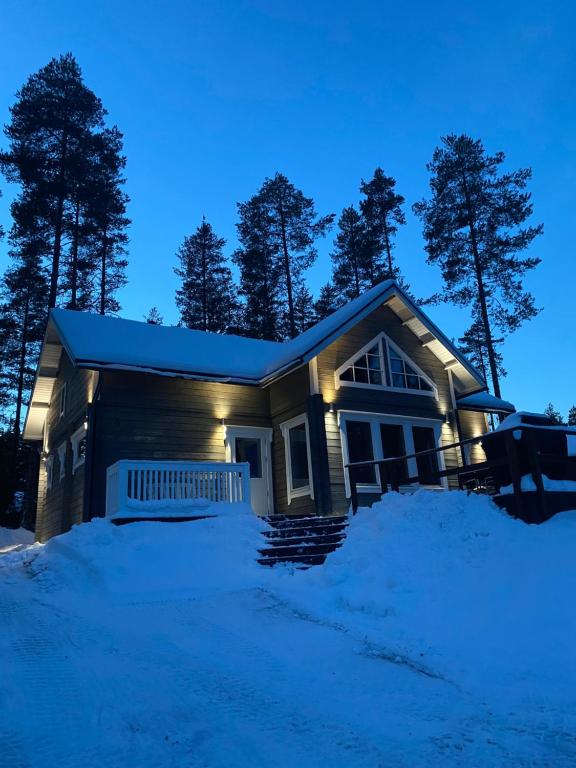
(133, 483)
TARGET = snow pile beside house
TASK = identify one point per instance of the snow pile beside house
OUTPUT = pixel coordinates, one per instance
(11, 539)
(447, 583)
(99, 558)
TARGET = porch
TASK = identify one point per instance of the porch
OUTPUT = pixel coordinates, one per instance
(173, 490)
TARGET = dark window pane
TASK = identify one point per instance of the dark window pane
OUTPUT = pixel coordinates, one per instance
(424, 385)
(398, 380)
(299, 456)
(410, 369)
(375, 377)
(374, 362)
(347, 375)
(412, 381)
(392, 436)
(361, 375)
(359, 436)
(248, 449)
(373, 351)
(424, 439)
(397, 365)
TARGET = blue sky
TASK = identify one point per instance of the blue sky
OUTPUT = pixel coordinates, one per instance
(212, 97)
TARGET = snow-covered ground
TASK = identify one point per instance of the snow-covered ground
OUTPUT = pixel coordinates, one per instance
(14, 539)
(440, 634)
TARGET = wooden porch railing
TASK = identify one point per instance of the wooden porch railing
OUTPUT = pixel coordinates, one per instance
(135, 483)
(513, 463)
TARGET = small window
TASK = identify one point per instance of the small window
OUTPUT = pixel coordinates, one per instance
(367, 369)
(78, 441)
(62, 402)
(404, 376)
(62, 461)
(360, 448)
(249, 449)
(297, 448)
(49, 471)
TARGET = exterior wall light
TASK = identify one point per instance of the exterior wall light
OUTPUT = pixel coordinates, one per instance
(331, 408)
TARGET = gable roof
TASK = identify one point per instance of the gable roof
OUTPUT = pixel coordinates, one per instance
(102, 342)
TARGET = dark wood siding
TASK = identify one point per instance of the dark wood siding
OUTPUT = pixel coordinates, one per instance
(379, 400)
(142, 416)
(288, 398)
(61, 506)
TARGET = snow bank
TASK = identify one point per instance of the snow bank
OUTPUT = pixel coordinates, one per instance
(11, 539)
(99, 558)
(448, 583)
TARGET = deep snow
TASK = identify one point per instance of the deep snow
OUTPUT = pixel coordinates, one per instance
(440, 634)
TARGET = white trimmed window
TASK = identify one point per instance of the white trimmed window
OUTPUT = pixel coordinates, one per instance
(49, 471)
(297, 456)
(373, 437)
(62, 401)
(381, 364)
(61, 450)
(78, 440)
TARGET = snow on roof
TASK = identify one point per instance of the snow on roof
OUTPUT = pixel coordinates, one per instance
(103, 341)
(486, 402)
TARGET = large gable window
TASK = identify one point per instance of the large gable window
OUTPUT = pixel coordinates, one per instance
(381, 364)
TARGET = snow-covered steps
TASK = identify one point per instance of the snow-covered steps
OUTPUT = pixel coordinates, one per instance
(305, 541)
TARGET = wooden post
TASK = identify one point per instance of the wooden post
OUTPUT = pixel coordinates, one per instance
(536, 469)
(383, 470)
(319, 454)
(515, 473)
(353, 491)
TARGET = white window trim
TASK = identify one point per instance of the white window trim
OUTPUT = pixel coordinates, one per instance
(375, 419)
(306, 490)
(49, 472)
(62, 401)
(61, 450)
(75, 439)
(382, 340)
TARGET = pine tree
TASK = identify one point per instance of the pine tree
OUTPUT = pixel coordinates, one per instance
(352, 263)
(154, 317)
(553, 414)
(328, 302)
(304, 314)
(292, 230)
(50, 129)
(473, 345)
(382, 212)
(260, 273)
(206, 298)
(572, 416)
(473, 231)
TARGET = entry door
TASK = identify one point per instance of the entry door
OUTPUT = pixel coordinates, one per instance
(252, 445)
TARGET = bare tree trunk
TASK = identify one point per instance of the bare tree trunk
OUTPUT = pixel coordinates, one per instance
(388, 250)
(74, 276)
(103, 276)
(481, 291)
(55, 272)
(293, 332)
(21, 368)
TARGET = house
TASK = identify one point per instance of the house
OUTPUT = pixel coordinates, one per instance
(375, 379)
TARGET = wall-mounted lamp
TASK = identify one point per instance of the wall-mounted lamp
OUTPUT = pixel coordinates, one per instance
(223, 422)
(447, 418)
(331, 408)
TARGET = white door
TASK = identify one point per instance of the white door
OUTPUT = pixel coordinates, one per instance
(253, 445)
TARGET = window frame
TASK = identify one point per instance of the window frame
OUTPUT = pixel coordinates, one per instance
(61, 451)
(75, 439)
(384, 344)
(49, 472)
(62, 397)
(375, 419)
(306, 490)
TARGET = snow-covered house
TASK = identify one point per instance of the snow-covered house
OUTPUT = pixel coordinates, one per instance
(126, 412)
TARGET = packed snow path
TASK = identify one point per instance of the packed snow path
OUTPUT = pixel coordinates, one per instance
(110, 658)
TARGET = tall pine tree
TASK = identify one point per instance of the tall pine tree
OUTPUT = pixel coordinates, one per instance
(473, 231)
(206, 297)
(328, 302)
(382, 212)
(472, 344)
(351, 261)
(292, 228)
